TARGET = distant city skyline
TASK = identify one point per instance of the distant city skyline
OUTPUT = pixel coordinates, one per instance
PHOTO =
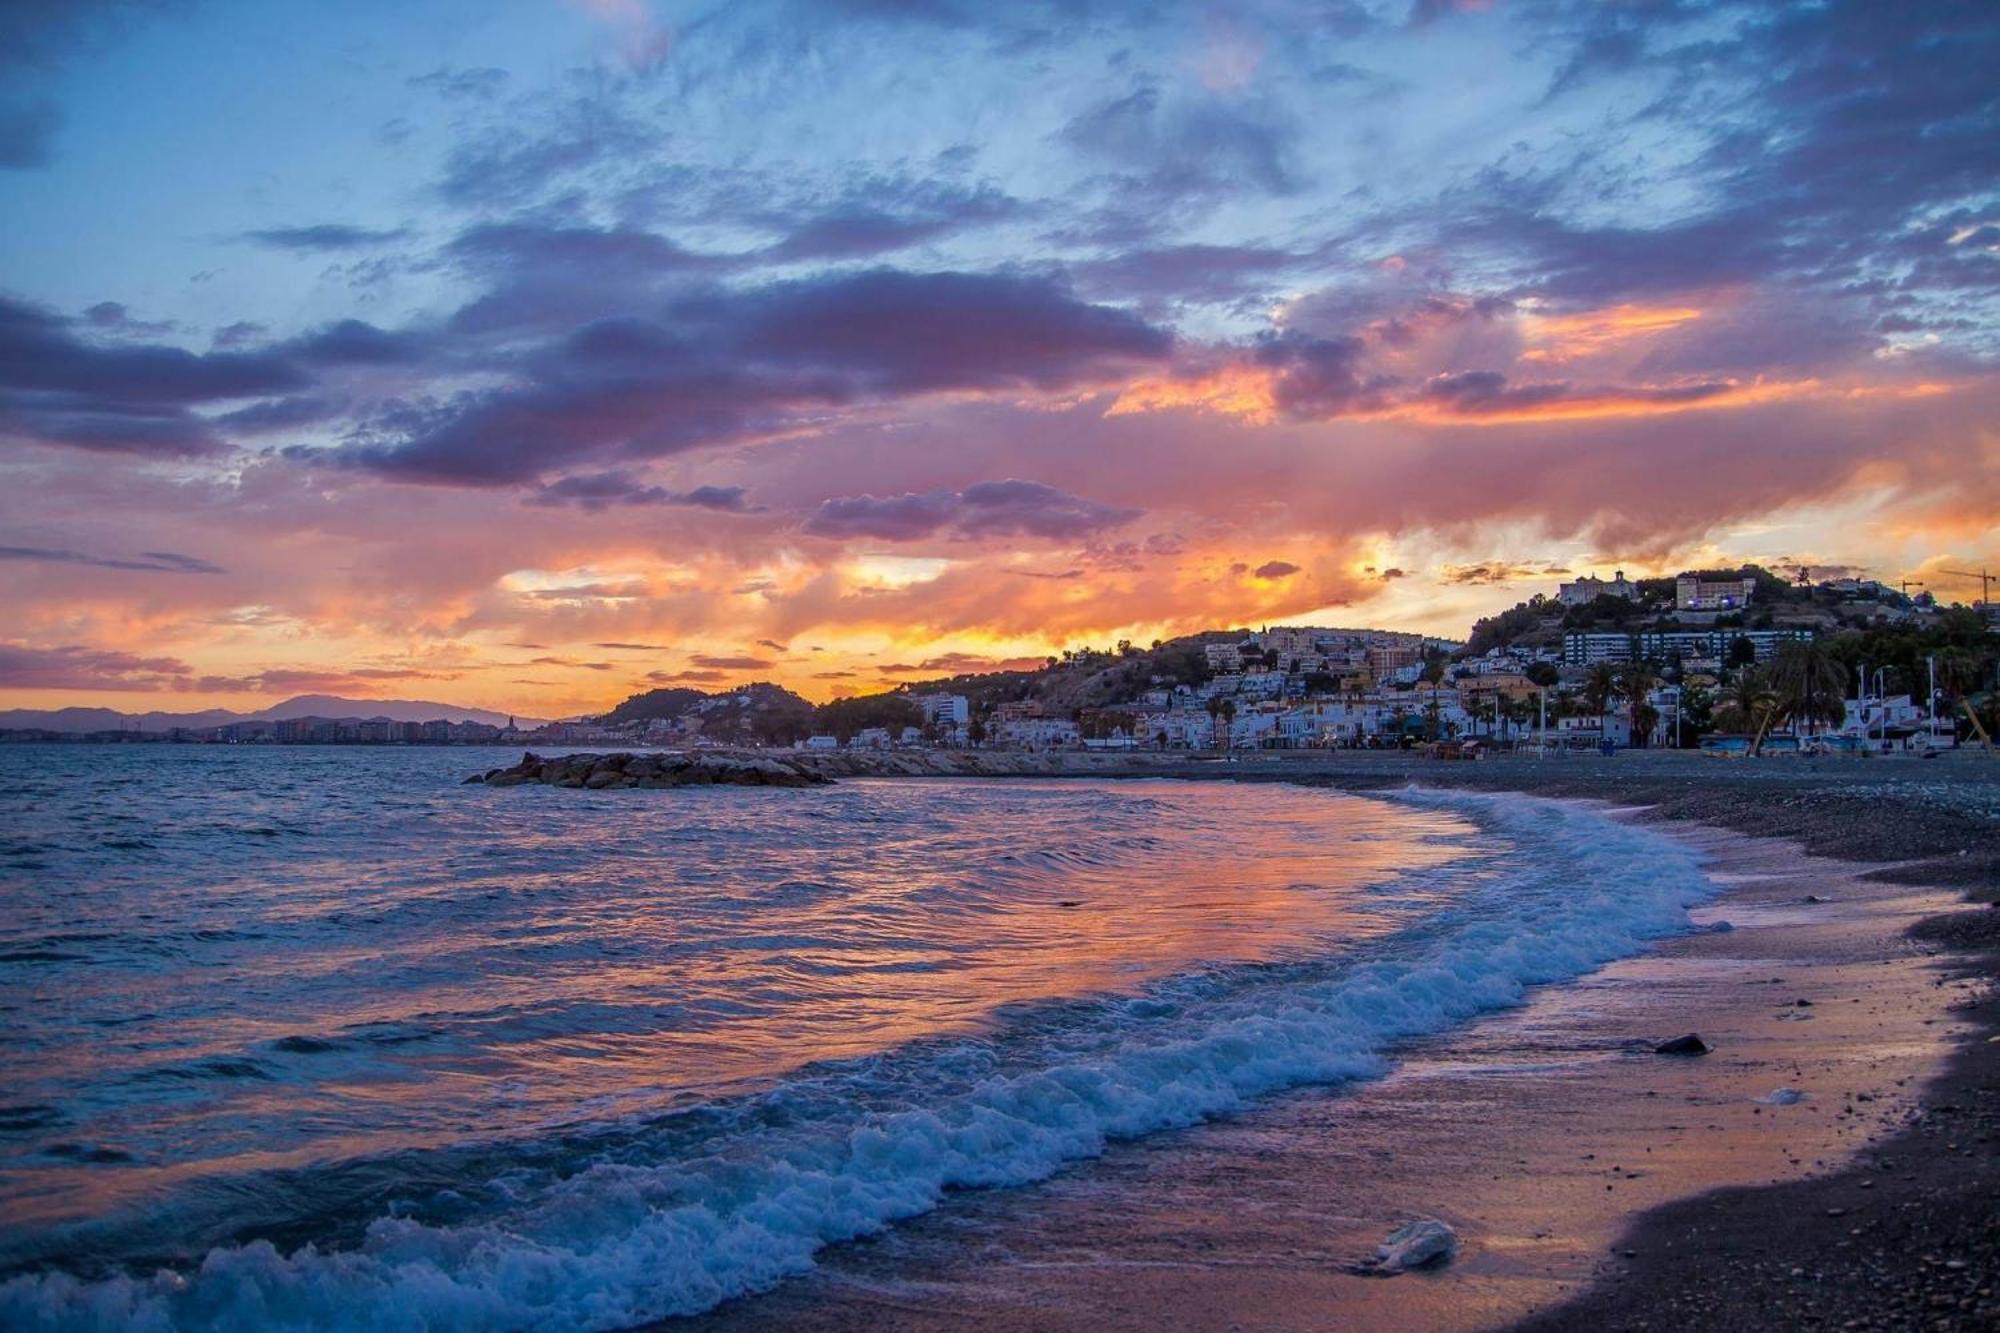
(529, 355)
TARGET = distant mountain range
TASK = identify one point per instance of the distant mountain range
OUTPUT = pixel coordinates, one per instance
(305, 705)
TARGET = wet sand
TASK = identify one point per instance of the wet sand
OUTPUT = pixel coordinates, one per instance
(1540, 1135)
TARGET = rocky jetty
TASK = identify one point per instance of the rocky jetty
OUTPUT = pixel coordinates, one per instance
(602, 772)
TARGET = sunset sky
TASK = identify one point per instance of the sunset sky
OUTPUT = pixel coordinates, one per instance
(526, 354)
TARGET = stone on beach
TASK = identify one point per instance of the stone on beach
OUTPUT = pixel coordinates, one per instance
(1417, 1244)
(1691, 1044)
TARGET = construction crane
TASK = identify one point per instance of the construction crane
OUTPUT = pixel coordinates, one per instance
(1985, 582)
(1906, 585)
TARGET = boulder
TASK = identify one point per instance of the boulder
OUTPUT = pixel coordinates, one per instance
(1691, 1044)
(601, 778)
(1419, 1244)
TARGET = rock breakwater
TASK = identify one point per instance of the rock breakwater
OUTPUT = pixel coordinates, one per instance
(601, 772)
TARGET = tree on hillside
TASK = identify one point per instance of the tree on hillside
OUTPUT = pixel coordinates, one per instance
(1697, 712)
(846, 717)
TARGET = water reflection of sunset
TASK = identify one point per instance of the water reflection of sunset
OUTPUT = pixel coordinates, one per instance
(493, 969)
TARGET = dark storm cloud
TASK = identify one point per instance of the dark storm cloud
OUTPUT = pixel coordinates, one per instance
(1275, 569)
(731, 364)
(324, 237)
(988, 509)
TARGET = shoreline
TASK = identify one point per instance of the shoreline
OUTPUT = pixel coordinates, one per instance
(1645, 1264)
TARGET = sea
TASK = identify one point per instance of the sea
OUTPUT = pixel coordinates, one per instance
(322, 1038)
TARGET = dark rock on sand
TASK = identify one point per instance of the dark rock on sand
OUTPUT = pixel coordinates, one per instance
(609, 772)
(1691, 1044)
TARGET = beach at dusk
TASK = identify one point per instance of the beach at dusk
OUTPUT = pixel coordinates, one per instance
(1072, 665)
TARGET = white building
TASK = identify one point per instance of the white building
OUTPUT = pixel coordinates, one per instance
(1037, 733)
(943, 710)
(1695, 593)
(1581, 592)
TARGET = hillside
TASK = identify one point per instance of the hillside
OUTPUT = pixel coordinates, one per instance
(78, 721)
(1089, 678)
(1541, 621)
(756, 714)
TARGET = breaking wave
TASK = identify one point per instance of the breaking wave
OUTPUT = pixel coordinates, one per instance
(673, 1214)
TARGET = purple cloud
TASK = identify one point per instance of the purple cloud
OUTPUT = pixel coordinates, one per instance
(55, 388)
(150, 562)
(596, 491)
(729, 364)
(988, 509)
(325, 236)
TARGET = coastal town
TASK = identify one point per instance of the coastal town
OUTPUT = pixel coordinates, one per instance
(1731, 661)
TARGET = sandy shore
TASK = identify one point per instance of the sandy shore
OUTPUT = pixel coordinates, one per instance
(1551, 1137)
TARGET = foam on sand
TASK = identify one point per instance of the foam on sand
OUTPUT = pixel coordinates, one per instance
(622, 1239)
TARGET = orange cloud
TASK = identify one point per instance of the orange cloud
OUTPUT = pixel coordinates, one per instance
(1557, 338)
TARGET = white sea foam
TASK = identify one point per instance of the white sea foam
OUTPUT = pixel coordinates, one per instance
(621, 1242)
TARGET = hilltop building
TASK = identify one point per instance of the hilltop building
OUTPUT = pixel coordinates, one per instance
(1583, 591)
(1692, 592)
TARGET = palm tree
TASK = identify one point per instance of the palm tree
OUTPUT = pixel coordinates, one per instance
(1636, 682)
(1958, 673)
(1746, 702)
(1810, 683)
(1600, 687)
(1433, 675)
(1223, 711)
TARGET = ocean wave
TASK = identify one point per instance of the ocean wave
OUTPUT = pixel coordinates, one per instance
(659, 1226)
